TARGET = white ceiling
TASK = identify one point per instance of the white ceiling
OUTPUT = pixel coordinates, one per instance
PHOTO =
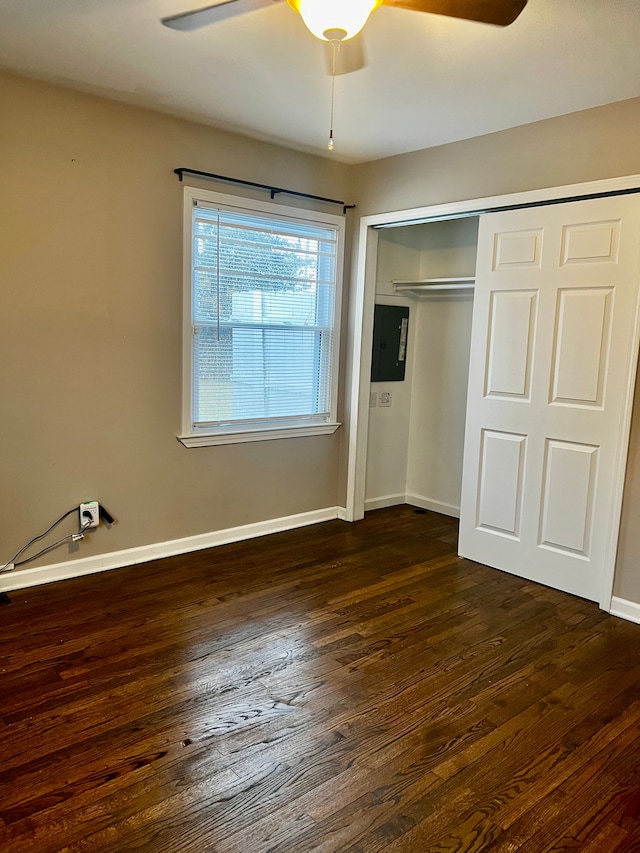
(429, 80)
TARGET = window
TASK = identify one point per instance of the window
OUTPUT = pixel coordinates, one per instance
(261, 307)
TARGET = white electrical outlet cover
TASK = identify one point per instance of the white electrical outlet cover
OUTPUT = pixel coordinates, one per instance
(91, 507)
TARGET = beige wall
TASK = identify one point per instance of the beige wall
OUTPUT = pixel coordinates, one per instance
(90, 271)
(590, 145)
(585, 146)
(90, 326)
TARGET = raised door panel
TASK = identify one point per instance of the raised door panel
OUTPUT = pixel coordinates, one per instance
(517, 249)
(590, 242)
(581, 346)
(501, 482)
(568, 497)
(512, 324)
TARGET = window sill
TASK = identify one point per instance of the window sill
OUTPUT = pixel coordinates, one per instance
(212, 439)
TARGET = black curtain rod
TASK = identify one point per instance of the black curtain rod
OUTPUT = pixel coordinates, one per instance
(273, 190)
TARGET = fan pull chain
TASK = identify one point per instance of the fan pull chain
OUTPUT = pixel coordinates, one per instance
(335, 46)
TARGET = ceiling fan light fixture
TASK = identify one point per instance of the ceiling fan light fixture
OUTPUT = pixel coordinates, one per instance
(329, 19)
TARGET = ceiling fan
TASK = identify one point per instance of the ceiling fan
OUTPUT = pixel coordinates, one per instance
(337, 21)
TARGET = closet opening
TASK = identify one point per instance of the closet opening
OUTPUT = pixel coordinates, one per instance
(537, 425)
(416, 425)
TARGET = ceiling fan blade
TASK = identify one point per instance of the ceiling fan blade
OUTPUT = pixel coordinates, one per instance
(500, 12)
(350, 56)
(212, 14)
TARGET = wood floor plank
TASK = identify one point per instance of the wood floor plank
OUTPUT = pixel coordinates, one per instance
(333, 689)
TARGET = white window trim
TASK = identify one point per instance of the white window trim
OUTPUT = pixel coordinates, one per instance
(230, 434)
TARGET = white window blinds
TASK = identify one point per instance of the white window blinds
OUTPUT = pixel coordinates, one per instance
(263, 307)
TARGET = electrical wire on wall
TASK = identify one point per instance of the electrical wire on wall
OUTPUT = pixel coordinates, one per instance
(85, 523)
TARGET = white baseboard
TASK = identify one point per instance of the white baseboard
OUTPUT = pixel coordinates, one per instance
(435, 506)
(625, 609)
(413, 500)
(23, 578)
(342, 513)
(383, 502)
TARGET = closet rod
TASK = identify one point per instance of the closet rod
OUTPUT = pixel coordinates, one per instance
(273, 190)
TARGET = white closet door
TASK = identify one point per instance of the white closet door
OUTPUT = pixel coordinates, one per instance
(551, 373)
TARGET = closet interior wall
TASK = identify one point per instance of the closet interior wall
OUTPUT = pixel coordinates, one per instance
(415, 445)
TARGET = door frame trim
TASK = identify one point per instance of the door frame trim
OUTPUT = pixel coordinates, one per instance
(360, 324)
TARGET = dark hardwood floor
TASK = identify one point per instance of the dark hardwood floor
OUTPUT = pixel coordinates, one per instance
(344, 688)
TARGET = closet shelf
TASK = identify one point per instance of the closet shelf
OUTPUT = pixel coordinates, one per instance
(421, 288)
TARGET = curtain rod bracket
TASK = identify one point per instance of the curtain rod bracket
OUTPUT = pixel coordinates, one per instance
(210, 176)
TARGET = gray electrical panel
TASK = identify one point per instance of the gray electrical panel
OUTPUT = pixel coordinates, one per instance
(390, 331)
